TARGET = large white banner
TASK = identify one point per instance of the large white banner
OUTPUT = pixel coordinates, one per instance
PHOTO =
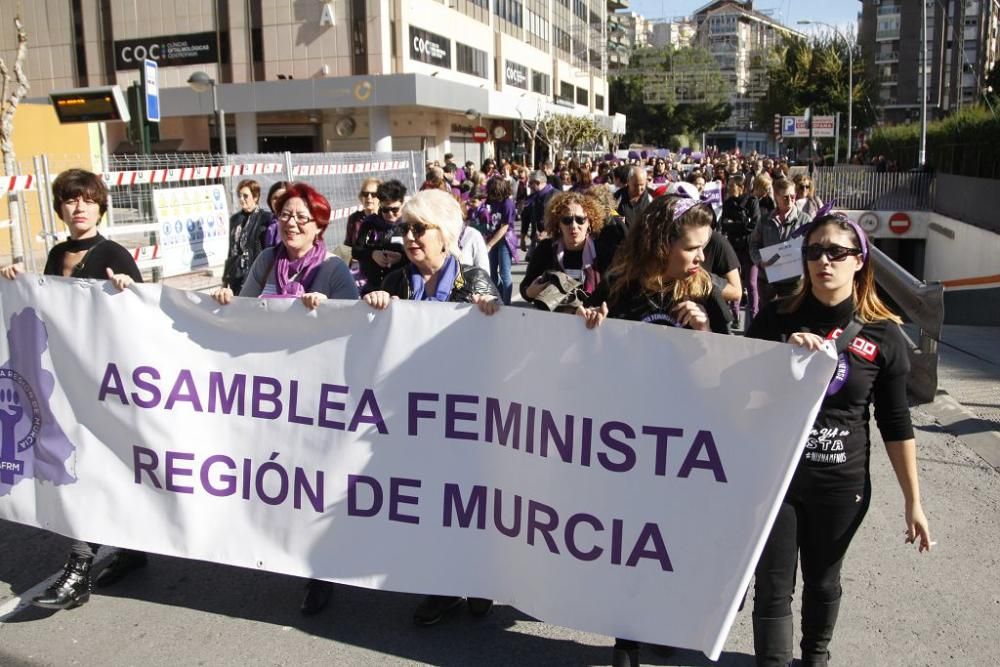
(618, 481)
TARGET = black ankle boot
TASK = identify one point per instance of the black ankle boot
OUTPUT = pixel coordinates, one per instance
(71, 589)
(818, 621)
(772, 641)
(123, 562)
(625, 653)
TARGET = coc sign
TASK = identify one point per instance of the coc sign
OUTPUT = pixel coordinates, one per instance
(430, 48)
(516, 75)
(170, 51)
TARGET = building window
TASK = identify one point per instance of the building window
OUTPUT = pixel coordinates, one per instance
(582, 96)
(562, 40)
(472, 61)
(509, 10)
(599, 102)
(566, 91)
(541, 83)
(580, 9)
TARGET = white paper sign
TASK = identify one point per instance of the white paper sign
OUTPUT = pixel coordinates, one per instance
(787, 258)
(618, 481)
(194, 227)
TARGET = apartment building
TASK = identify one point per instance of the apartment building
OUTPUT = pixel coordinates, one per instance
(962, 48)
(336, 76)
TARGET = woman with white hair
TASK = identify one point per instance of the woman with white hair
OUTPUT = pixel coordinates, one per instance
(431, 227)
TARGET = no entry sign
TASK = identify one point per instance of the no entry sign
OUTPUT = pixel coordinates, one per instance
(900, 223)
(480, 135)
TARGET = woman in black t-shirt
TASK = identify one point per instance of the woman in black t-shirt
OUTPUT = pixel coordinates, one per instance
(80, 199)
(830, 491)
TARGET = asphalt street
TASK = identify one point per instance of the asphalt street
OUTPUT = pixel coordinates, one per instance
(900, 607)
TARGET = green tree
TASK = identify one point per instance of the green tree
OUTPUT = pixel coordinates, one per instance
(668, 92)
(813, 74)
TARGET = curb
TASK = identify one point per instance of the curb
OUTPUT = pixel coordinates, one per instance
(976, 433)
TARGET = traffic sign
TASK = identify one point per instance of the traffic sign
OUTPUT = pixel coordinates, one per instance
(480, 134)
(899, 223)
(798, 127)
(151, 90)
(868, 222)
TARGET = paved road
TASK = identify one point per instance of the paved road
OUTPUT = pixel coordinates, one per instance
(901, 608)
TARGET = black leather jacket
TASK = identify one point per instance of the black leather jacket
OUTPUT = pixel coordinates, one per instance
(471, 280)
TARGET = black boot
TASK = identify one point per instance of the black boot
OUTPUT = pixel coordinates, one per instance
(318, 594)
(818, 621)
(123, 562)
(434, 607)
(772, 641)
(625, 653)
(71, 589)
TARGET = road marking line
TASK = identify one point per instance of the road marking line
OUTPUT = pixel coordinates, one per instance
(19, 603)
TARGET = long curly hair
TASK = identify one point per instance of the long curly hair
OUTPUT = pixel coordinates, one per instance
(643, 257)
(559, 205)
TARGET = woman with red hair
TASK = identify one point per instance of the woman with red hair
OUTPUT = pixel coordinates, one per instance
(300, 266)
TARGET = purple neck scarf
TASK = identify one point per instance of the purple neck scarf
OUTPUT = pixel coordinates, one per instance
(294, 277)
(446, 277)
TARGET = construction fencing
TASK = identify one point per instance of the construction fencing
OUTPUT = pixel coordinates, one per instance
(173, 210)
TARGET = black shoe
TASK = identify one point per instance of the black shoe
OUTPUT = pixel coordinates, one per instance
(123, 562)
(480, 606)
(625, 657)
(433, 608)
(71, 589)
(318, 594)
(663, 650)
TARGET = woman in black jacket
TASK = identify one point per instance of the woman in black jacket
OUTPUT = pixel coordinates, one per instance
(80, 199)
(247, 235)
(829, 494)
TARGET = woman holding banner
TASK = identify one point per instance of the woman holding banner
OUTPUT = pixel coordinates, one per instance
(829, 494)
(657, 277)
(80, 199)
(431, 225)
(300, 265)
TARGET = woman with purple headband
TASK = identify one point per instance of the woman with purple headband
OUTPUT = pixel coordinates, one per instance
(831, 488)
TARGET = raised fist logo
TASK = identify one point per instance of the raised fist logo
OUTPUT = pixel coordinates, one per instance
(10, 414)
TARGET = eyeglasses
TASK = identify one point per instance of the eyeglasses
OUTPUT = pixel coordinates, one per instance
(300, 220)
(834, 253)
(364, 194)
(418, 229)
(570, 219)
(392, 210)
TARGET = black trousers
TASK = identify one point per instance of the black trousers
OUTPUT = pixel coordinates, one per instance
(84, 549)
(817, 531)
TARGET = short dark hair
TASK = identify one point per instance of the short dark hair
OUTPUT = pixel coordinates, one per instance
(497, 189)
(250, 184)
(273, 190)
(391, 191)
(74, 183)
(621, 172)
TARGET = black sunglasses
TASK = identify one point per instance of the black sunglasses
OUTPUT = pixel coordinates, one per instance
(417, 228)
(390, 209)
(570, 219)
(834, 253)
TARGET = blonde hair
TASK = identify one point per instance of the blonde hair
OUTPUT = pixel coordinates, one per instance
(561, 202)
(867, 304)
(761, 185)
(371, 180)
(438, 208)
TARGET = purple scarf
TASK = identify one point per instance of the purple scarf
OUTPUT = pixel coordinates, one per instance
(295, 277)
(446, 276)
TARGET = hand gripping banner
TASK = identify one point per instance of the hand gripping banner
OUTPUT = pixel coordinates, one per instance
(618, 481)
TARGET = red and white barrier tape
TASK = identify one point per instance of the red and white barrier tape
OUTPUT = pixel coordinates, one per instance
(142, 176)
(17, 183)
(355, 168)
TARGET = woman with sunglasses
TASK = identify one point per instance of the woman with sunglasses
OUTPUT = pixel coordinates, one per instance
(376, 247)
(300, 266)
(368, 196)
(572, 222)
(829, 494)
(805, 197)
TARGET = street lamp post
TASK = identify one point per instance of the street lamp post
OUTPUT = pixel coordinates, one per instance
(850, 84)
(200, 82)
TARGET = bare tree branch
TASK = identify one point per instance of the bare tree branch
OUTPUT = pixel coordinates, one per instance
(8, 106)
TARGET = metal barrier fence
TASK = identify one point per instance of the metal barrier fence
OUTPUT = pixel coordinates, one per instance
(862, 188)
(177, 183)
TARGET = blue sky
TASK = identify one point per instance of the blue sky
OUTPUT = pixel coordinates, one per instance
(839, 12)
